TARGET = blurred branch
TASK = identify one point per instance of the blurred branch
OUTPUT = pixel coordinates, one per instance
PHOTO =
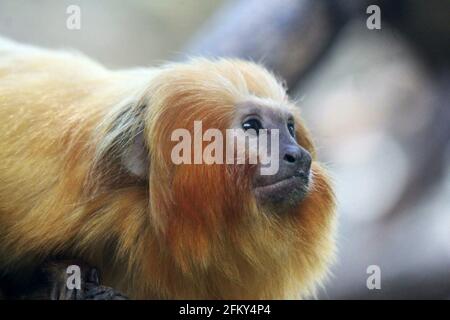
(288, 36)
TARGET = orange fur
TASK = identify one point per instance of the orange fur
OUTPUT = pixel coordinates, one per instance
(194, 231)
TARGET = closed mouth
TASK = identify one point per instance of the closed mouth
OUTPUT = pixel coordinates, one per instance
(292, 182)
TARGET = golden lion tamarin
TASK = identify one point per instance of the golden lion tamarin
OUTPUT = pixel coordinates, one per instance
(86, 173)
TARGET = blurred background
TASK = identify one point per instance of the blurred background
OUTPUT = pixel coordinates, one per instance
(377, 101)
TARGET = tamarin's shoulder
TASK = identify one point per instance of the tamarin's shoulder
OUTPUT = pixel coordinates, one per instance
(61, 84)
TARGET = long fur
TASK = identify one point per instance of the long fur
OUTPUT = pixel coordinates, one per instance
(188, 231)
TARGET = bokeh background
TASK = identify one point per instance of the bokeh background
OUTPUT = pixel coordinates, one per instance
(377, 101)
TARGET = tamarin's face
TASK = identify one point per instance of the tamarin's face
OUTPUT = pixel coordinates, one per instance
(286, 185)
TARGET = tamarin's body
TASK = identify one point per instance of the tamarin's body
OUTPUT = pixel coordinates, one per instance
(85, 172)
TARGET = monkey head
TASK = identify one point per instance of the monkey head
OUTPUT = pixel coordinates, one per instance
(228, 228)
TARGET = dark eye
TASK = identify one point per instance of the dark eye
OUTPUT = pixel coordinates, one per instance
(291, 129)
(254, 124)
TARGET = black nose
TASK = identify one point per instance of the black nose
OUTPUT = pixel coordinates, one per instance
(298, 157)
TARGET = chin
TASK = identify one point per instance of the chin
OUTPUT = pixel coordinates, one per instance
(282, 194)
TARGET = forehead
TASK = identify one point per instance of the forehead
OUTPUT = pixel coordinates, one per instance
(265, 108)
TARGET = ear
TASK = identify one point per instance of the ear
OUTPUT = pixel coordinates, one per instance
(135, 158)
(122, 152)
